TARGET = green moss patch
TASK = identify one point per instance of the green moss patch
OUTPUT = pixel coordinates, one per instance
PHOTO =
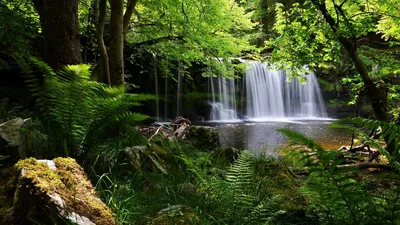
(70, 182)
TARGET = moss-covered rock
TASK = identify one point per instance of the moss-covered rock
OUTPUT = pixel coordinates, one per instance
(203, 138)
(56, 192)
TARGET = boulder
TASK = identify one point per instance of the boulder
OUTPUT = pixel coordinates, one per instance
(204, 137)
(22, 134)
(56, 192)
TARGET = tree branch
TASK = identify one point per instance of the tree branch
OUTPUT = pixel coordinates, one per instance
(160, 39)
(366, 166)
(128, 15)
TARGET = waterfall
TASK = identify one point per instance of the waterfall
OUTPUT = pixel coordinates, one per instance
(179, 97)
(223, 102)
(270, 96)
(156, 87)
(166, 99)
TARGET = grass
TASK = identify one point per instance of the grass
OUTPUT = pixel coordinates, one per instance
(197, 182)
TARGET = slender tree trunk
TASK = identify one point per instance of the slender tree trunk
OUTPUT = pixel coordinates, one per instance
(116, 52)
(104, 74)
(128, 14)
(59, 21)
(110, 68)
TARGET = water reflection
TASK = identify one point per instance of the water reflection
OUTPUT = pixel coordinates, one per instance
(263, 136)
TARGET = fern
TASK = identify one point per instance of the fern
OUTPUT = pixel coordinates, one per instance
(390, 131)
(236, 195)
(78, 113)
(240, 182)
(339, 196)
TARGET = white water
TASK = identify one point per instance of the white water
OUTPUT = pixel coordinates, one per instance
(270, 97)
(223, 103)
(156, 87)
(179, 94)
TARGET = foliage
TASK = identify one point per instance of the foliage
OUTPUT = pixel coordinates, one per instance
(194, 179)
(19, 25)
(389, 130)
(304, 37)
(77, 113)
(204, 31)
(238, 197)
(302, 40)
(341, 196)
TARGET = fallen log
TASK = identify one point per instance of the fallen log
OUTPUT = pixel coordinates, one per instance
(363, 149)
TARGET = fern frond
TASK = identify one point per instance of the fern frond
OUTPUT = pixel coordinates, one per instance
(390, 131)
(240, 183)
(78, 112)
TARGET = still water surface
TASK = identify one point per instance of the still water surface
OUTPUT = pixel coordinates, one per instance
(259, 137)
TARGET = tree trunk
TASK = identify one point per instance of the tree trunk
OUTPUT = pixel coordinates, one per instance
(104, 74)
(128, 14)
(59, 21)
(116, 52)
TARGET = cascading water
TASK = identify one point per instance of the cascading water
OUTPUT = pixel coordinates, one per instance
(265, 95)
(179, 94)
(270, 96)
(156, 87)
(166, 99)
(223, 103)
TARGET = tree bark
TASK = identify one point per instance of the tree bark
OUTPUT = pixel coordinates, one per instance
(59, 22)
(116, 52)
(104, 74)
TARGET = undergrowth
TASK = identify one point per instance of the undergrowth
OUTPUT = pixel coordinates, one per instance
(345, 195)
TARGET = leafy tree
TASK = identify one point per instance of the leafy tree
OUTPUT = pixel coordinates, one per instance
(319, 33)
(192, 32)
(19, 25)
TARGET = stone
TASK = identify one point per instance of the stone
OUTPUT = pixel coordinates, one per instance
(22, 134)
(204, 137)
(57, 192)
(229, 153)
(9, 130)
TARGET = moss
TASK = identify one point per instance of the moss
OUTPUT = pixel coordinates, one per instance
(71, 183)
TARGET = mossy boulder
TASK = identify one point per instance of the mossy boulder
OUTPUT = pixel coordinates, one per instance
(203, 137)
(56, 192)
